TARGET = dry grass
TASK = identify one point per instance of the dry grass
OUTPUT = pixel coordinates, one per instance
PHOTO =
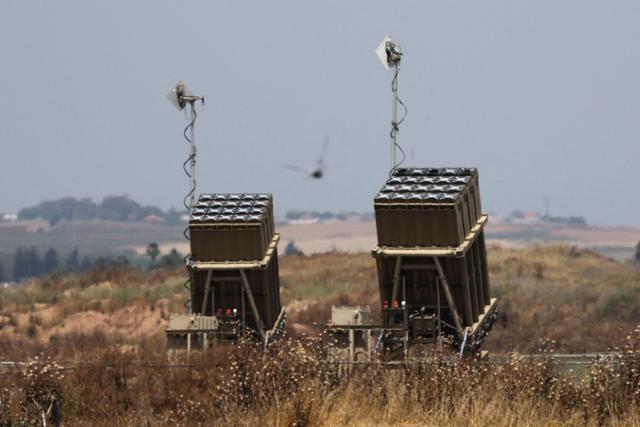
(583, 301)
(577, 299)
(294, 386)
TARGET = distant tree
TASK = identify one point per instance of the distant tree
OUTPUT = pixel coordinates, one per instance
(26, 264)
(327, 215)
(149, 210)
(517, 214)
(292, 249)
(174, 216)
(171, 260)
(118, 208)
(114, 208)
(50, 262)
(18, 265)
(100, 262)
(72, 263)
(33, 262)
(292, 215)
(637, 257)
(577, 221)
(110, 261)
(153, 250)
(54, 211)
(86, 264)
(121, 261)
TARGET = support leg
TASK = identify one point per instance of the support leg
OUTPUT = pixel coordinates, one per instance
(207, 288)
(252, 304)
(396, 279)
(449, 296)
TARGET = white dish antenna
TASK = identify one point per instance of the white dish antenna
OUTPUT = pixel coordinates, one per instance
(389, 52)
(180, 96)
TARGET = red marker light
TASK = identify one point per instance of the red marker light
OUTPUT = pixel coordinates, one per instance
(228, 312)
(395, 304)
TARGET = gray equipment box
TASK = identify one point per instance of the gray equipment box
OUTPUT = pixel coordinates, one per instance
(344, 316)
(192, 323)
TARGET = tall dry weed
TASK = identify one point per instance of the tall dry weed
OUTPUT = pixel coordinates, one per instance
(294, 384)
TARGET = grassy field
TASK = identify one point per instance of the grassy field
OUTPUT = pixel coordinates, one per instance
(107, 326)
(581, 300)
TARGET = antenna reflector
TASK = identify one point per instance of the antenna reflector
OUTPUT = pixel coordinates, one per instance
(389, 52)
(179, 95)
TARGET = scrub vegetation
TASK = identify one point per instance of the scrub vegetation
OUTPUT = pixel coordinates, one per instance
(104, 330)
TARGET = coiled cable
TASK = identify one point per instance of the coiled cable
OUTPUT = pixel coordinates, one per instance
(395, 126)
(189, 198)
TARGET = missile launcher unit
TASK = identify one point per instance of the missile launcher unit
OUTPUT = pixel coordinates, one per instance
(233, 270)
(431, 262)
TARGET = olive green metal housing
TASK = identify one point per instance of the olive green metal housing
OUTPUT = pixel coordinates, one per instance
(431, 256)
(427, 207)
(233, 270)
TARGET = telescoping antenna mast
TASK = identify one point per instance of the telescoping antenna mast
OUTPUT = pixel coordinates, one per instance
(390, 55)
(180, 96)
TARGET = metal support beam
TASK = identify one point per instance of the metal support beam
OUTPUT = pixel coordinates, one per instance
(483, 262)
(381, 290)
(439, 311)
(279, 320)
(449, 296)
(352, 345)
(225, 279)
(396, 279)
(244, 314)
(207, 287)
(252, 304)
(479, 279)
(448, 251)
(469, 309)
(418, 267)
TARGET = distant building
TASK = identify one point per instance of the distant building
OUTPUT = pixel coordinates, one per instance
(527, 217)
(153, 218)
(8, 217)
(306, 218)
(312, 217)
(353, 217)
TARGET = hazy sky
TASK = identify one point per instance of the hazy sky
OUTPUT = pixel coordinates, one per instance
(543, 97)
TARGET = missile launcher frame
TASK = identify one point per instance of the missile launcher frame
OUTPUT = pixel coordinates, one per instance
(233, 271)
(432, 267)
